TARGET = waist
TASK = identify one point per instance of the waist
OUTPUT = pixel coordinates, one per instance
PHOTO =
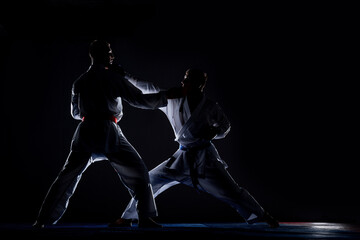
(100, 118)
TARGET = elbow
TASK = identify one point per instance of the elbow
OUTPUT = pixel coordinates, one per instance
(223, 133)
(76, 116)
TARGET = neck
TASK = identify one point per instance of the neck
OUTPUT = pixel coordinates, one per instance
(97, 63)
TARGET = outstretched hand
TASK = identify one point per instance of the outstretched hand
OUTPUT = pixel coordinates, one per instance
(175, 92)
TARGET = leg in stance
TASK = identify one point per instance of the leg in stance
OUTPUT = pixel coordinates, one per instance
(134, 175)
(160, 180)
(219, 183)
(57, 198)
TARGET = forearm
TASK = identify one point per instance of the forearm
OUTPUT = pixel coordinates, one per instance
(75, 113)
(74, 107)
(148, 101)
(222, 132)
(143, 86)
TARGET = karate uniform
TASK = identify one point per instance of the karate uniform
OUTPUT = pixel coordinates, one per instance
(197, 162)
(97, 101)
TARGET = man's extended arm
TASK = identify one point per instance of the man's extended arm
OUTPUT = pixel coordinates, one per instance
(149, 87)
(143, 86)
(136, 98)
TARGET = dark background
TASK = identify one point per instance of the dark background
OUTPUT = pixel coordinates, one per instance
(283, 74)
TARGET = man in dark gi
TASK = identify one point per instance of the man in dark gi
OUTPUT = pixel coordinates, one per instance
(97, 102)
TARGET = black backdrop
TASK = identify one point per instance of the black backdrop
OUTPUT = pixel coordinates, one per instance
(280, 72)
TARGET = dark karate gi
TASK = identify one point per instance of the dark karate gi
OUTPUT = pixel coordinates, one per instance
(96, 100)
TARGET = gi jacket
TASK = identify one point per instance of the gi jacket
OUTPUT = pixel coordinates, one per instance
(189, 129)
(97, 98)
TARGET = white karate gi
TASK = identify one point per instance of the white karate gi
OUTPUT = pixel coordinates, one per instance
(210, 169)
(97, 97)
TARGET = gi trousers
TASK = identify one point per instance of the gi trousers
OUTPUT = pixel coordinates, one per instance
(217, 182)
(129, 167)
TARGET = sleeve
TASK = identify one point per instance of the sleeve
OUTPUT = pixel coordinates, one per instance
(221, 122)
(143, 86)
(136, 98)
(75, 110)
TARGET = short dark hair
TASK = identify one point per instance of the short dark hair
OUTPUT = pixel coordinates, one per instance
(98, 47)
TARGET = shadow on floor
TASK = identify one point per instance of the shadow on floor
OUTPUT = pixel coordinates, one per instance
(220, 231)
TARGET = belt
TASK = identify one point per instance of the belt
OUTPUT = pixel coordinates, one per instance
(111, 118)
(191, 159)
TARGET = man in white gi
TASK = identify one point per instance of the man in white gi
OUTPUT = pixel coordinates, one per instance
(196, 121)
(96, 101)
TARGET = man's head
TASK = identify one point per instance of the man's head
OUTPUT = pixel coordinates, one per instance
(194, 80)
(101, 53)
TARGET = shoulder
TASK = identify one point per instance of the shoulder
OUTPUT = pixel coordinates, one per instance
(80, 79)
(213, 107)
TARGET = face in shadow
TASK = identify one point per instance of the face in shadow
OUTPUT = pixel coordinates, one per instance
(101, 53)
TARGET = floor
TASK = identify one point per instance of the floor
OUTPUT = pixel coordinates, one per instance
(221, 231)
